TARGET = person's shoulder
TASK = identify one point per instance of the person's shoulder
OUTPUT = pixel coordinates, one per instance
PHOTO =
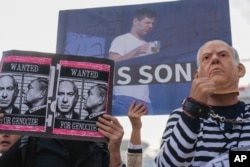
(246, 105)
(122, 36)
(175, 114)
(177, 111)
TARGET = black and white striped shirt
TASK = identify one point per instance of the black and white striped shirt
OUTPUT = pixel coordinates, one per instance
(195, 142)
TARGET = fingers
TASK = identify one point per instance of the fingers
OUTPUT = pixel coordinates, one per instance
(109, 120)
(201, 89)
(132, 105)
(110, 127)
(142, 49)
(137, 110)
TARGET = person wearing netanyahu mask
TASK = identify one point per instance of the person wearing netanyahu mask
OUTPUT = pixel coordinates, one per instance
(212, 120)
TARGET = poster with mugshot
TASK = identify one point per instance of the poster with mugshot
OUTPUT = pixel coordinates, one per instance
(83, 94)
(54, 95)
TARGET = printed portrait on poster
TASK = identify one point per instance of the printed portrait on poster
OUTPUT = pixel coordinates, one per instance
(82, 96)
(24, 81)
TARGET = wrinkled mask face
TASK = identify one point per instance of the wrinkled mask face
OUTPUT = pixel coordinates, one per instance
(217, 63)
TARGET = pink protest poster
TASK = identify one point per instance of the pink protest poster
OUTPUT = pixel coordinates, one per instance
(54, 95)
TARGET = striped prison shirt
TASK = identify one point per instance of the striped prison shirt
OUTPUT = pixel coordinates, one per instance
(194, 142)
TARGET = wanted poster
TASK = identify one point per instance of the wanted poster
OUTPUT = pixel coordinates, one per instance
(54, 95)
(83, 94)
(24, 84)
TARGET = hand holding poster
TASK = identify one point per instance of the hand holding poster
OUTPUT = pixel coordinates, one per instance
(54, 95)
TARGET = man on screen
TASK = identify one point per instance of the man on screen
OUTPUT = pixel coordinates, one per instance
(127, 46)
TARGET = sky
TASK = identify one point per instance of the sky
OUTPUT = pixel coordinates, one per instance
(32, 25)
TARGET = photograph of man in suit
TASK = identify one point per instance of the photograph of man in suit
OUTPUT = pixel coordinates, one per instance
(35, 97)
(8, 94)
(67, 97)
(95, 101)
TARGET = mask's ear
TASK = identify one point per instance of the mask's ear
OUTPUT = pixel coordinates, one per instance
(242, 70)
(196, 74)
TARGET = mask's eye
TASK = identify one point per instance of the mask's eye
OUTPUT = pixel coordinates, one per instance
(205, 58)
(224, 55)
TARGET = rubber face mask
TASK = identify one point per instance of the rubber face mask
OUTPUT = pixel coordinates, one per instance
(228, 86)
(218, 64)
